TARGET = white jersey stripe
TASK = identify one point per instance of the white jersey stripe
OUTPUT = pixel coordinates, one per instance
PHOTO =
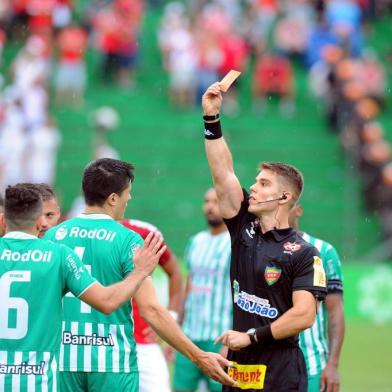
(18, 359)
(53, 369)
(88, 331)
(73, 349)
(3, 359)
(307, 334)
(31, 379)
(61, 358)
(116, 350)
(101, 350)
(45, 380)
(127, 349)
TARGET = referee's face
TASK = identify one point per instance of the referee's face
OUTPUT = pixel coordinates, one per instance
(264, 192)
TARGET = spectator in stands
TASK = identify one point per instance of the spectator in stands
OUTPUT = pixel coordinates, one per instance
(178, 47)
(62, 14)
(3, 39)
(261, 17)
(293, 30)
(41, 159)
(273, 75)
(234, 52)
(71, 76)
(372, 75)
(117, 26)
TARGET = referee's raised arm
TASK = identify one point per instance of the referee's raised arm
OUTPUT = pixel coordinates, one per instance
(219, 157)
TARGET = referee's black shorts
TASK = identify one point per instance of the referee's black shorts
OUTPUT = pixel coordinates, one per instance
(276, 370)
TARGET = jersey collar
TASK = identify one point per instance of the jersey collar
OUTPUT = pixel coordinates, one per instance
(281, 234)
(20, 235)
(95, 216)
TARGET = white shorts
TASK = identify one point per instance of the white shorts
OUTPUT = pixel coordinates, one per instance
(153, 370)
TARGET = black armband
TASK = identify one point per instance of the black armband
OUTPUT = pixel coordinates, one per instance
(264, 334)
(212, 127)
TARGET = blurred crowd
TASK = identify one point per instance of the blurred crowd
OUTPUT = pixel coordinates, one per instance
(201, 41)
(49, 68)
(354, 93)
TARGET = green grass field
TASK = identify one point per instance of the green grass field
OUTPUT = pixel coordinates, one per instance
(366, 361)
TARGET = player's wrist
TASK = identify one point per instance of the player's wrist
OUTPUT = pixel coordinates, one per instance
(140, 272)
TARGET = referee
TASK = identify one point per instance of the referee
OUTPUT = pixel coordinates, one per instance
(276, 277)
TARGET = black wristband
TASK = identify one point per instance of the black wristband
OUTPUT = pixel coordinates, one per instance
(212, 130)
(211, 118)
(264, 334)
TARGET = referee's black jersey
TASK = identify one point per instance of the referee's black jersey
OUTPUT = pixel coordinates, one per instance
(265, 270)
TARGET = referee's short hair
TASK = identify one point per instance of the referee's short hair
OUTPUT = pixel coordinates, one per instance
(22, 206)
(289, 174)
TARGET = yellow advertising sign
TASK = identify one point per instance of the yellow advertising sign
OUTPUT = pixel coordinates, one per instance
(248, 376)
(319, 278)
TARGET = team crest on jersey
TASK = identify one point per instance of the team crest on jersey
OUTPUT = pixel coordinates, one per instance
(292, 247)
(272, 275)
(61, 233)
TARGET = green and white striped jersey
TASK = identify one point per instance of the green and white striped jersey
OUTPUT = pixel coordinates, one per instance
(314, 341)
(34, 276)
(92, 341)
(208, 307)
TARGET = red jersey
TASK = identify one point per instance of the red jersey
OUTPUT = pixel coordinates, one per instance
(143, 228)
(72, 44)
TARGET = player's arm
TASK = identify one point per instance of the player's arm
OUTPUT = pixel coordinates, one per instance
(336, 327)
(172, 269)
(167, 328)
(298, 318)
(107, 299)
(219, 157)
(330, 379)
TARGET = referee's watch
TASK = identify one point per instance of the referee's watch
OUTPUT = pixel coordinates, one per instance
(252, 335)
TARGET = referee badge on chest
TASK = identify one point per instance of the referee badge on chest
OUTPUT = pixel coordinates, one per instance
(272, 275)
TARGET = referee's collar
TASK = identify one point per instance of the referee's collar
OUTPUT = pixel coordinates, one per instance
(280, 234)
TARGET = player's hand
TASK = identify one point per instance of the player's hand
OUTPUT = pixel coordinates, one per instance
(147, 257)
(234, 340)
(212, 100)
(211, 364)
(330, 381)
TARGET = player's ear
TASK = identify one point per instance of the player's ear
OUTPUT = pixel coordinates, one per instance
(112, 199)
(2, 220)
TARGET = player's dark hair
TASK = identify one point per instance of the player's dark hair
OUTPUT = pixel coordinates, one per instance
(289, 174)
(45, 191)
(22, 207)
(103, 177)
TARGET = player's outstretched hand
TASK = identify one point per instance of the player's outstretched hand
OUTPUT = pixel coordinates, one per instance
(211, 364)
(234, 340)
(147, 257)
(212, 100)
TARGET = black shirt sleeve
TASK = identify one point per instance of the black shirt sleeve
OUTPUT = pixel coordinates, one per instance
(236, 223)
(309, 274)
